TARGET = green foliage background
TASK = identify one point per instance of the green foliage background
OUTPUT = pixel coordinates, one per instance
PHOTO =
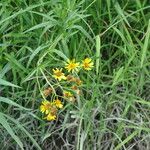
(37, 35)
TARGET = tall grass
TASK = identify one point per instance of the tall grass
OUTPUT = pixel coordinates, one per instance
(114, 112)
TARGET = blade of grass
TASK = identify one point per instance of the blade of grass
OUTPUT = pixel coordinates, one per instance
(98, 56)
(15, 62)
(10, 102)
(130, 137)
(146, 44)
(6, 83)
(6, 125)
(118, 76)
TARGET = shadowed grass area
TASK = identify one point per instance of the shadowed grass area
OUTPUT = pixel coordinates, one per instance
(113, 111)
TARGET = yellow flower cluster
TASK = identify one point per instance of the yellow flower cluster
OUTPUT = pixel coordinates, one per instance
(72, 66)
(50, 107)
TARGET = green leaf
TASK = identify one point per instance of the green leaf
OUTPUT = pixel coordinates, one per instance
(15, 62)
(121, 13)
(98, 57)
(146, 44)
(6, 83)
(59, 53)
(80, 28)
(10, 102)
(118, 76)
(22, 11)
(35, 53)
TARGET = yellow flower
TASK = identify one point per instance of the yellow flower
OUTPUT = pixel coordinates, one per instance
(87, 64)
(58, 103)
(72, 65)
(50, 117)
(67, 94)
(45, 106)
(58, 74)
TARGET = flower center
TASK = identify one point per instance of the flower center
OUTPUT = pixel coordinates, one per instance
(86, 65)
(72, 66)
(48, 106)
(58, 73)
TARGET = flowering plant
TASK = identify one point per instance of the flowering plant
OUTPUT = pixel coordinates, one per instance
(50, 108)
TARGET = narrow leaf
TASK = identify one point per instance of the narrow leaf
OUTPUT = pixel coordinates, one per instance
(6, 125)
(146, 44)
(6, 83)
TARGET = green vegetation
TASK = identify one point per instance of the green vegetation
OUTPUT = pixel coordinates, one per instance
(114, 109)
